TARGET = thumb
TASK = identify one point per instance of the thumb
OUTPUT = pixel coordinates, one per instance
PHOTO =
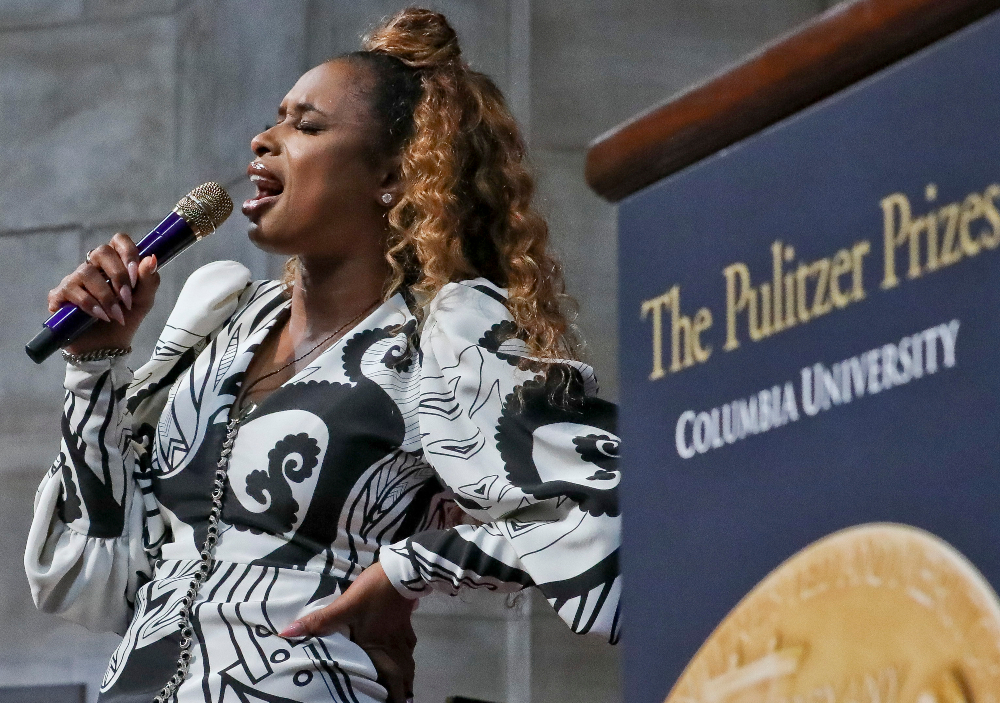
(147, 281)
(319, 622)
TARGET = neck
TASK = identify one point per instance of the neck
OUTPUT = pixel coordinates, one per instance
(328, 294)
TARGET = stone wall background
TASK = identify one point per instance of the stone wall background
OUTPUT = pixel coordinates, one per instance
(110, 110)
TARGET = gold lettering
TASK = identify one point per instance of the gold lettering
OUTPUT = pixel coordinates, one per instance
(950, 213)
(821, 301)
(858, 252)
(736, 303)
(790, 319)
(972, 210)
(927, 224)
(950, 253)
(679, 325)
(802, 305)
(764, 330)
(655, 306)
(702, 321)
(894, 236)
(776, 257)
(686, 347)
(789, 298)
(842, 264)
(991, 239)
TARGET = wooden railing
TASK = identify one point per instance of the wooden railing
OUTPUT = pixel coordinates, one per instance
(838, 48)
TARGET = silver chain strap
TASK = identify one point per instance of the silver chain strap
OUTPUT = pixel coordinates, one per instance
(207, 560)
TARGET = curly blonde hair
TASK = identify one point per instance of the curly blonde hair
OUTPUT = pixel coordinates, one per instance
(466, 208)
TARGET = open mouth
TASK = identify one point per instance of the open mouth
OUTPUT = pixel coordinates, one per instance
(269, 189)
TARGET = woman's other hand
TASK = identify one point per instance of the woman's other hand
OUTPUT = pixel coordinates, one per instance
(115, 287)
(378, 618)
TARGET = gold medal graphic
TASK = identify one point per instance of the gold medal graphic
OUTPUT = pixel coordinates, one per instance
(877, 613)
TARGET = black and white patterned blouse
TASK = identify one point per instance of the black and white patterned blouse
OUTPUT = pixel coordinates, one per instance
(361, 455)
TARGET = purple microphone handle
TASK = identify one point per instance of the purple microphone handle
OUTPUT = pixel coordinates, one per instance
(165, 241)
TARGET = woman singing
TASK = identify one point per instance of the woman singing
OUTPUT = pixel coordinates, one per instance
(259, 506)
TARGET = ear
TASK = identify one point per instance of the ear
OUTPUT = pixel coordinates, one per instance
(390, 181)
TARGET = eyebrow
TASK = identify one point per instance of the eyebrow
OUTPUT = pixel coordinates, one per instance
(309, 107)
(305, 107)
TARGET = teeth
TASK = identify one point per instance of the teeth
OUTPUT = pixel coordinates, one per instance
(257, 178)
(265, 186)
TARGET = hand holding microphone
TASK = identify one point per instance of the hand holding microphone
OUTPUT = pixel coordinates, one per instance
(115, 285)
(118, 281)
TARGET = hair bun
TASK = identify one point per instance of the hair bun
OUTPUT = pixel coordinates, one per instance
(418, 37)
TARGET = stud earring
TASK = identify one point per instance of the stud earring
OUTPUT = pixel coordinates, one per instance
(386, 198)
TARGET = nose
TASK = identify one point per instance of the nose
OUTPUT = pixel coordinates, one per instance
(263, 143)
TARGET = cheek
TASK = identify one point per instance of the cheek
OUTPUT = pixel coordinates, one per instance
(334, 178)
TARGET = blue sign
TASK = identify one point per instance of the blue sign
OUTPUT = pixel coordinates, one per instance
(810, 335)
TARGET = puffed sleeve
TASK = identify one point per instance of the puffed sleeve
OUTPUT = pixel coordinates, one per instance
(529, 451)
(96, 522)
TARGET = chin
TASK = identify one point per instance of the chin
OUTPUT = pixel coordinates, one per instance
(257, 237)
(265, 240)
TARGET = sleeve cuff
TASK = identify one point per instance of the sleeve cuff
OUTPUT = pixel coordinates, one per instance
(403, 576)
(81, 374)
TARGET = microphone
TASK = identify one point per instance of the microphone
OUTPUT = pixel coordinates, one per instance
(197, 215)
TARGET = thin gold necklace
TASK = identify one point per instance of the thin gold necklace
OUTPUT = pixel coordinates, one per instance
(245, 392)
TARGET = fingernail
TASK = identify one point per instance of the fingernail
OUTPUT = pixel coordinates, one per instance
(126, 296)
(98, 312)
(156, 263)
(296, 629)
(133, 272)
(116, 312)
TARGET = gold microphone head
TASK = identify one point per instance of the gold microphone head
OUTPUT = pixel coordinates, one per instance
(205, 208)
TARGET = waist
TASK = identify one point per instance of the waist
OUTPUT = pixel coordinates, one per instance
(284, 590)
(343, 559)
(237, 615)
